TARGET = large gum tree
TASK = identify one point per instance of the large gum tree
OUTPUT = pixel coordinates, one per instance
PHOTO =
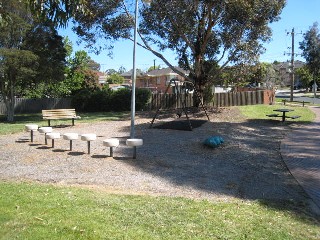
(206, 35)
(310, 47)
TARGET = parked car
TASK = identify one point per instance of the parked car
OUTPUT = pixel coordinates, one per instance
(115, 88)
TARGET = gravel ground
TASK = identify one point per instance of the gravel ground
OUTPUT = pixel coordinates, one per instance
(170, 163)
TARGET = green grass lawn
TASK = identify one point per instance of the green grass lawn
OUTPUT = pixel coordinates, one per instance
(260, 112)
(34, 211)
(22, 119)
(38, 211)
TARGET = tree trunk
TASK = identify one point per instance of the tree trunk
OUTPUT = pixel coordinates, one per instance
(10, 110)
(10, 101)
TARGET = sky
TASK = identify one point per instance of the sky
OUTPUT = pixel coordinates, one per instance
(297, 14)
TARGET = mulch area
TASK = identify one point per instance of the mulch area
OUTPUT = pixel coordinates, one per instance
(248, 165)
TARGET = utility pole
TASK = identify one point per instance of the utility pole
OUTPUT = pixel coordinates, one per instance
(292, 66)
(154, 64)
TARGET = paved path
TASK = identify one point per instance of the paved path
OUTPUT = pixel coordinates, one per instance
(301, 152)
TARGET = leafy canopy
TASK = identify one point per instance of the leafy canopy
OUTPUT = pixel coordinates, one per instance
(202, 33)
(205, 35)
(310, 47)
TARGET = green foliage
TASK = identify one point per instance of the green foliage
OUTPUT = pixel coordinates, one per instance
(43, 40)
(215, 32)
(143, 97)
(39, 211)
(121, 100)
(106, 100)
(233, 28)
(310, 47)
(80, 100)
(16, 66)
(115, 78)
(81, 73)
(32, 55)
(304, 75)
(59, 11)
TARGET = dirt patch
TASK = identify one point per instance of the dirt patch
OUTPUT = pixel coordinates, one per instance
(247, 165)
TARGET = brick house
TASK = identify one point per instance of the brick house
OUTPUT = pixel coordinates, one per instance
(284, 68)
(157, 80)
(128, 76)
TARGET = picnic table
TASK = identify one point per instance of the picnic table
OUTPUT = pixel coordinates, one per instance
(283, 116)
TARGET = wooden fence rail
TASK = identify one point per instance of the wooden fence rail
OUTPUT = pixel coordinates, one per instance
(158, 100)
(23, 105)
(239, 98)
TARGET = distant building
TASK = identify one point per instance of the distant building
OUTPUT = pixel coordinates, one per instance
(158, 80)
(128, 76)
(102, 78)
(284, 68)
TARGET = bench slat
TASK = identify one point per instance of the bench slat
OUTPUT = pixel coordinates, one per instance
(294, 117)
(272, 115)
(54, 114)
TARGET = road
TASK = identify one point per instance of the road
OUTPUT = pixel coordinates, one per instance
(297, 96)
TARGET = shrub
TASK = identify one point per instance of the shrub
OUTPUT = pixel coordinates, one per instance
(105, 100)
(142, 98)
(99, 101)
(120, 100)
(80, 100)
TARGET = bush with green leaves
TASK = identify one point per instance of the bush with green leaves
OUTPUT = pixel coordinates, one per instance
(105, 100)
(143, 97)
(120, 100)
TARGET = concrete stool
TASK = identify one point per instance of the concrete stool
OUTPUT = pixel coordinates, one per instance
(111, 142)
(70, 137)
(53, 136)
(45, 130)
(134, 142)
(88, 137)
(31, 128)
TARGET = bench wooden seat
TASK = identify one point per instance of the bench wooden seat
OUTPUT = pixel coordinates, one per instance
(56, 114)
(294, 117)
(273, 115)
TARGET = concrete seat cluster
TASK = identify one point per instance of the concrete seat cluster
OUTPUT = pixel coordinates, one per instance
(88, 137)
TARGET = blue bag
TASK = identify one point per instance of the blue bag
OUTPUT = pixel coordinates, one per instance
(213, 141)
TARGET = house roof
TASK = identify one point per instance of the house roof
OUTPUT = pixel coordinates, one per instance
(165, 71)
(297, 64)
(129, 73)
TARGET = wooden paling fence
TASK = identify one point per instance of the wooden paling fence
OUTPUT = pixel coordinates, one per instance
(239, 98)
(173, 101)
(23, 105)
(158, 100)
(170, 101)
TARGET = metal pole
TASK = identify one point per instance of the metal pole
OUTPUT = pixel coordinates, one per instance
(134, 73)
(292, 66)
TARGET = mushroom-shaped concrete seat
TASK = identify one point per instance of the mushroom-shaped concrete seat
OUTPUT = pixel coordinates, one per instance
(31, 128)
(45, 130)
(111, 142)
(70, 137)
(134, 142)
(53, 136)
(88, 137)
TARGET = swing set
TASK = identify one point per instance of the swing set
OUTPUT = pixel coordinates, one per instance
(185, 86)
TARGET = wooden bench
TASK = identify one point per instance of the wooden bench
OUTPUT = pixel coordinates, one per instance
(56, 114)
(273, 115)
(294, 117)
(294, 102)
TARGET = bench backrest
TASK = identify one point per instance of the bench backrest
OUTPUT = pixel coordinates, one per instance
(59, 113)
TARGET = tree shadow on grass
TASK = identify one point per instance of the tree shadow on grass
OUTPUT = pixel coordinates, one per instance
(247, 166)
